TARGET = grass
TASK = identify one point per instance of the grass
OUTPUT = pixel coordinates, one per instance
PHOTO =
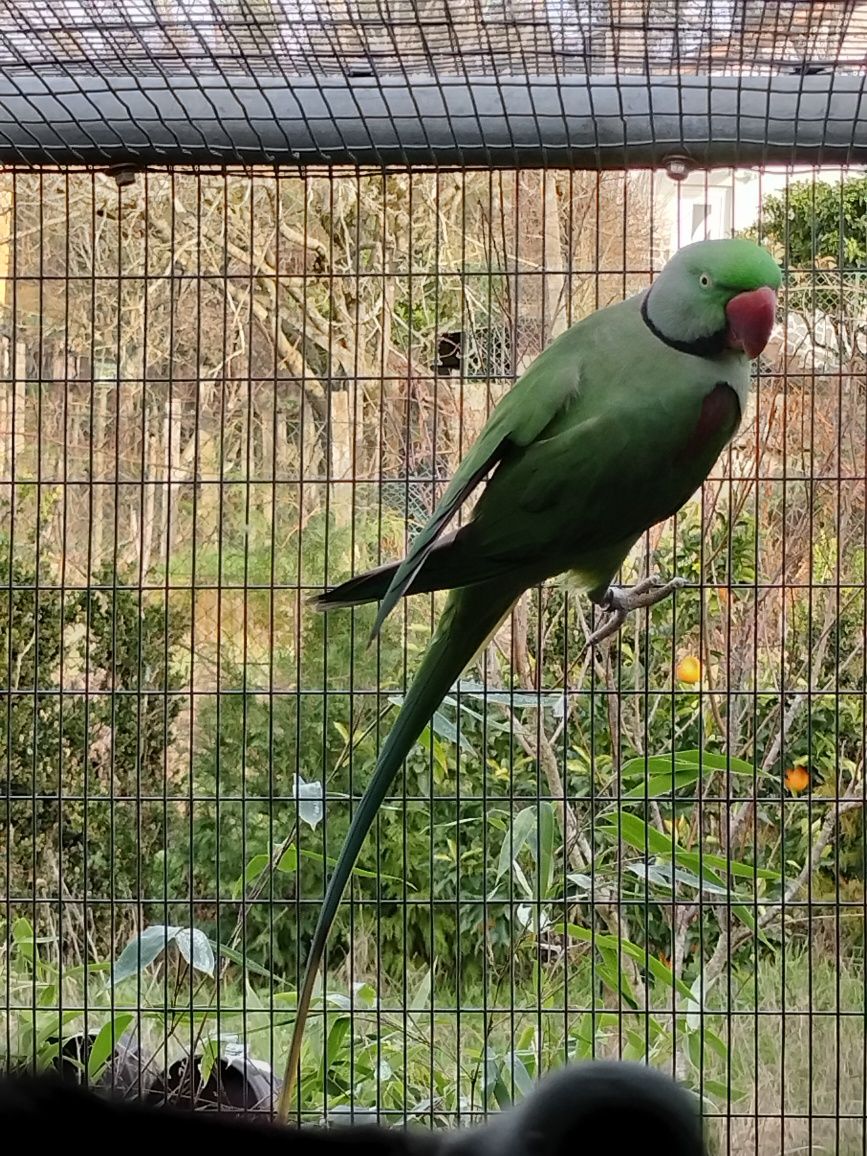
(786, 1040)
(801, 1059)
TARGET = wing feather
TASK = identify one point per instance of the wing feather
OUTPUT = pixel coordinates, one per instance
(518, 421)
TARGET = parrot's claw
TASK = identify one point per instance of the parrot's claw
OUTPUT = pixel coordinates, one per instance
(620, 601)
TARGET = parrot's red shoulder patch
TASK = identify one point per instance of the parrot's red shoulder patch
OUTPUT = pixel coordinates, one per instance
(719, 419)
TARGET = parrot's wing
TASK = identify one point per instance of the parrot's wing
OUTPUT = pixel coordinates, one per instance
(521, 417)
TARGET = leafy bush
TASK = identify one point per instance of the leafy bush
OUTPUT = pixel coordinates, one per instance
(85, 734)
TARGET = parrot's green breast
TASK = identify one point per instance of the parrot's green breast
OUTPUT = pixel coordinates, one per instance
(667, 418)
(718, 420)
(640, 499)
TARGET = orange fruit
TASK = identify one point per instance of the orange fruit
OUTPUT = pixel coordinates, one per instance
(688, 670)
(797, 778)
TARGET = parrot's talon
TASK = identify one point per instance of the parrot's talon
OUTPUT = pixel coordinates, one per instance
(620, 601)
(611, 627)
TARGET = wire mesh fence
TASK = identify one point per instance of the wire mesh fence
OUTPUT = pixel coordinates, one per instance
(222, 391)
(499, 83)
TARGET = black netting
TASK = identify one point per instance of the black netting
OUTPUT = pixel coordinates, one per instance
(447, 37)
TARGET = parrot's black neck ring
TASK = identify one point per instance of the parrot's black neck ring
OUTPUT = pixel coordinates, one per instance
(710, 346)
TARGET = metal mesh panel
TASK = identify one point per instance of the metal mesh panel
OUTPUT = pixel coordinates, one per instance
(505, 82)
(220, 391)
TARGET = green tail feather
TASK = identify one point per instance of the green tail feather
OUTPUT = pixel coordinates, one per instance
(367, 587)
(448, 565)
(470, 617)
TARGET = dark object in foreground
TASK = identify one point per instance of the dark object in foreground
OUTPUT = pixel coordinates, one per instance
(586, 1108)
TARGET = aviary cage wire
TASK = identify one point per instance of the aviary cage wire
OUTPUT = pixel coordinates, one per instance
(264, 268)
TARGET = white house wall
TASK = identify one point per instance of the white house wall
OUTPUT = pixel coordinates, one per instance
(718, 203)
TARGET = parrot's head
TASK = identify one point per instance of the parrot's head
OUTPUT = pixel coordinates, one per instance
(713, 296)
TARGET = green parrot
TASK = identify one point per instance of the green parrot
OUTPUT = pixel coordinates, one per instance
(611, 429)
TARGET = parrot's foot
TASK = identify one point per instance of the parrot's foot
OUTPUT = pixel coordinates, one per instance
(620, 601)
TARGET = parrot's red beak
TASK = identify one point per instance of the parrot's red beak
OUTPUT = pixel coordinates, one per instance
(750, 319)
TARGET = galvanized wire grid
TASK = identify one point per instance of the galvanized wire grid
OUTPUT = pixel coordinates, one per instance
(222, 391)
(506, 83)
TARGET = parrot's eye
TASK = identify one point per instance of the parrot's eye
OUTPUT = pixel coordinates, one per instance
(704, 280)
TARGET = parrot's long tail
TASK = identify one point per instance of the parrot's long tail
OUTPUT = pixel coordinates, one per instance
(448, 565)
(469, 618)
(369, 587)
